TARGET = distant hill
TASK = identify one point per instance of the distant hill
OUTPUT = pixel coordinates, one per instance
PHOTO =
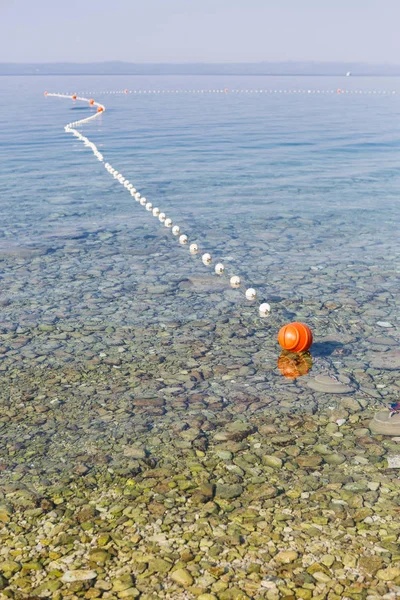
(262, 68)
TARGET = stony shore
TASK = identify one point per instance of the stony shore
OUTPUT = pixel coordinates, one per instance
(178, 493)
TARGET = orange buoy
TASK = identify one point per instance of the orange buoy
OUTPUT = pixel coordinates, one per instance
(226, 90)
(46, 93)
(100, 109)
(339, 90)
(74, 97)
(293, 365)
(126, 91)
(295, 337)
(91, 102)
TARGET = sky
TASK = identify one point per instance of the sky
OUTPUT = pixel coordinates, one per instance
(199, 30)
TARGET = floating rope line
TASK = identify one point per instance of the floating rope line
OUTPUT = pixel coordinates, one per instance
(219, 268)
(235, 91)
(235, 280)
(70, 128)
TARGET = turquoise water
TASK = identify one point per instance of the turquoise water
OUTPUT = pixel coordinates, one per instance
(297, 194)
(283, 180)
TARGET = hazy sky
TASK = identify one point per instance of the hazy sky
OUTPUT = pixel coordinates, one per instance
(199, 30)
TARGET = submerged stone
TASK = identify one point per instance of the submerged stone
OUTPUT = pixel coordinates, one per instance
(384, 423)
(328, 385)
(227, 492)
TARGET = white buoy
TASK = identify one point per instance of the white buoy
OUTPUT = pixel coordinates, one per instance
(176, 230)
(156, 211)
(162, 217)
(206, 258)
(133, 192)
(264, 309)
(168, 223)
(137, 196)
(183, 239)
(193, 248)
(219, 268)
(149, 206)
(143, 201)
(251, 294)
(235, 281)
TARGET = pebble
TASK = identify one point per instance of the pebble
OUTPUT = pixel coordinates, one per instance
(309, 461)
(159, 565)
(224, 454)
(384, 324)
(334, 459)
(393, 461)
(78, 575)
(328, 385)
(236, 431)
(388, 574)
(286, 556)
(272, 461)
(182, 577)
(389, 360)
(385, 425)
(227, 491)
(138, 453)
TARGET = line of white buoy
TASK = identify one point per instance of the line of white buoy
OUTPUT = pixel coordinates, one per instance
(219, 269)
(241, 91)
(70, 128)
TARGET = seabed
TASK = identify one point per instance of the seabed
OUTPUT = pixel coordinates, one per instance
(149, 445)
(176, 467)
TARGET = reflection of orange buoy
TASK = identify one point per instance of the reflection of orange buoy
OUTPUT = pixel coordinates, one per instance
(74, 97)
(293, 365)
(339, 90)
(45, 93)
(91, 102)
(295, 337)
(100, 109)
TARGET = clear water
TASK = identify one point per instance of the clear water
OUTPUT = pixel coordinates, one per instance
(119, 352)
(273, 185)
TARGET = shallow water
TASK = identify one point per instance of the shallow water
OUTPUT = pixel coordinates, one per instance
(113, 337)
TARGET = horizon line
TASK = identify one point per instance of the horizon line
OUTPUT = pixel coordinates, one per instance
(206, 63)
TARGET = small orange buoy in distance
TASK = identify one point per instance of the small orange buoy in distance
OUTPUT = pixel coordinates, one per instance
(226, 90)
(126, 91)
(46, 93)
(339, 90)
(100, 109)
(295, 337)
(91, 102)
(74, 97)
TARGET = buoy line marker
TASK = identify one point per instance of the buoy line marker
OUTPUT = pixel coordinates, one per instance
(295, 337)
(234, 91)
(219, 269)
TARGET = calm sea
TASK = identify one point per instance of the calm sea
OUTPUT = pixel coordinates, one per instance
(142, 401)
(296, 193)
